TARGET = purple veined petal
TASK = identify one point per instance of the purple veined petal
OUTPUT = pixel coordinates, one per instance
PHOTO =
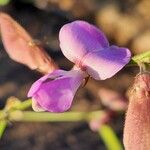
(35, 86)
(105, 63)
(57, 95)
(78, 38)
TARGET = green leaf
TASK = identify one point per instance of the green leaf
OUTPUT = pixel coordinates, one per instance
(3, 124)
(141, 58)
(4, 2)
(109, 138)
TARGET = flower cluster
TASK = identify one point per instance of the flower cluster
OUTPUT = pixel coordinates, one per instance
(88, 48)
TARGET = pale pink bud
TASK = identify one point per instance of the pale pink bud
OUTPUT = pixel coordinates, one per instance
(96, 122)
(137, 124)
(112, 99)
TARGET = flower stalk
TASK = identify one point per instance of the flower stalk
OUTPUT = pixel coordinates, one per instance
(109, 138)
(24, 105)
(30, 116)
(3, 124)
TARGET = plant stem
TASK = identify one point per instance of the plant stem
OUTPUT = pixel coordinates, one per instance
(24, 105)
(51, 117)
(109, 137)
(3, 124)
(140, 58)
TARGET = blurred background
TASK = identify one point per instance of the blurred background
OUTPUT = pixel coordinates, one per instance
(126, 23)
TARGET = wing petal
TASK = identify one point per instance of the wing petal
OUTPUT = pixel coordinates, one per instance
(105, 63)
(56, 95)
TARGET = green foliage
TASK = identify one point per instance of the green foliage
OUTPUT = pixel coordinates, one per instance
(141, 58)
(4, 2)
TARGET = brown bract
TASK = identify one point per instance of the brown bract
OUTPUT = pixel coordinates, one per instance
(21, 47)
(137, 123)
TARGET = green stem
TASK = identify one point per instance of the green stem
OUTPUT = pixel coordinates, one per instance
(51, 117)
(21, 106)
(3, 124)
(24, 105)
(109, 137)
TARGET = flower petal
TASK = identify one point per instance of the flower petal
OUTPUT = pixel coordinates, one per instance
(35, 86)
(36, 107)
(78, 38)
(57, 95)
(105, 63)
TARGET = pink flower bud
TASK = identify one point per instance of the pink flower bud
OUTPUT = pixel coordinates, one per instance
(21, 48)
(112, 99)
(137, 124)
(97, 121)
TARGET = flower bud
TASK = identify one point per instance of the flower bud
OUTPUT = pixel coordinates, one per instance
(137, 123)
(98, 121)
(112, 99)
(21, 48)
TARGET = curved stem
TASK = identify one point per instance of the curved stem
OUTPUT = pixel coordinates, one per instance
(109, 137)
(3, 124)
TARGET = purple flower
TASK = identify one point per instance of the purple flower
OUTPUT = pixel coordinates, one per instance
(87, 47)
